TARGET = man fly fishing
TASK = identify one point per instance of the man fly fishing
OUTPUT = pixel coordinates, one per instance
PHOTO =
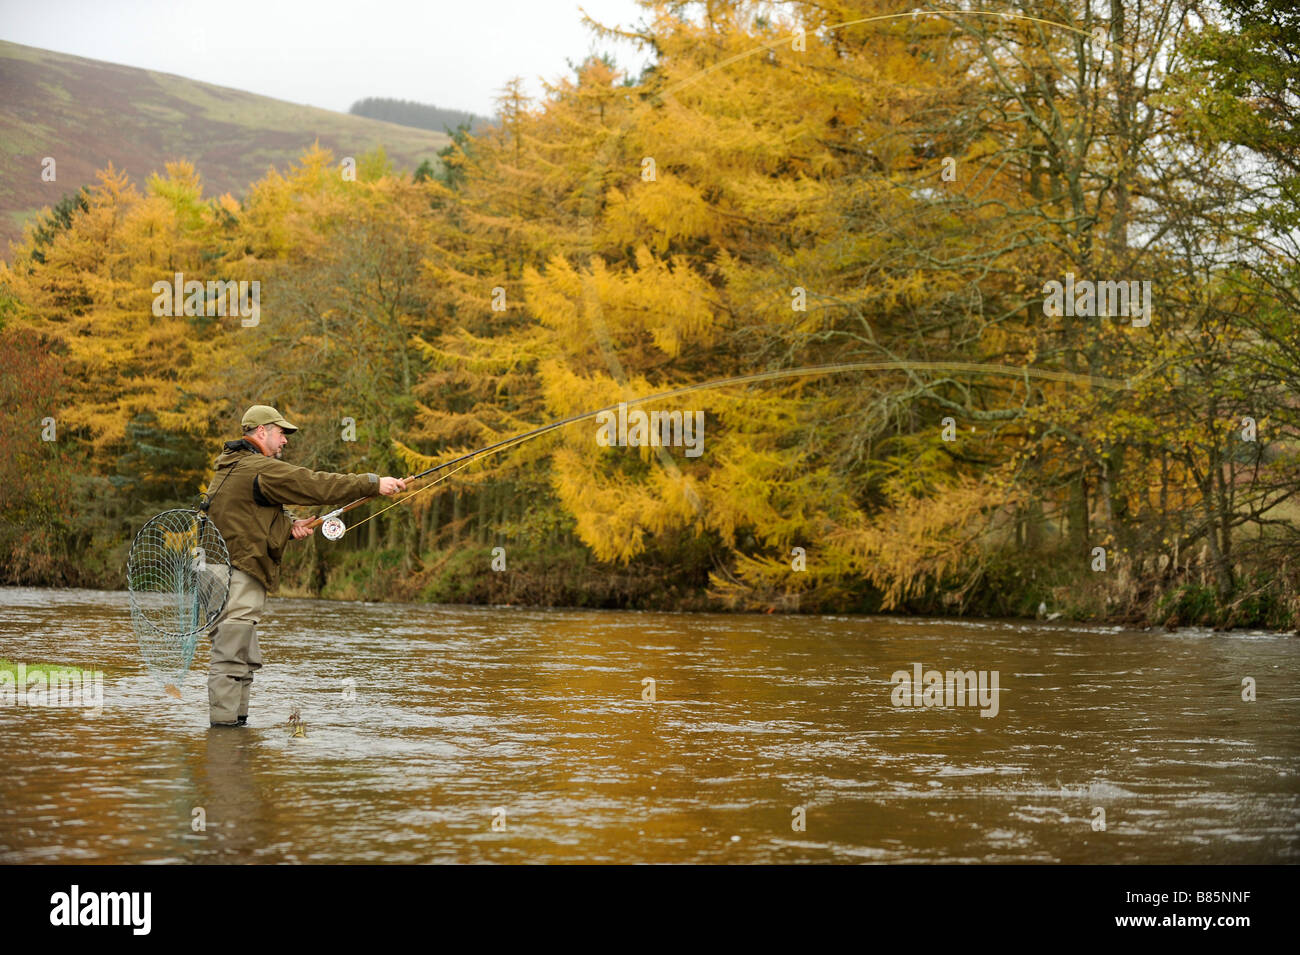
(250, 491)
(251, 518)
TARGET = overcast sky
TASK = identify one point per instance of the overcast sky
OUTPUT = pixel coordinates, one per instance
(330, 53)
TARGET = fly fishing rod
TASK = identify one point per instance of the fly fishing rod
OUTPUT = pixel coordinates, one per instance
(333, 528)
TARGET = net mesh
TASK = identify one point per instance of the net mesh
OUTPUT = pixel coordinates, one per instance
(178, 576)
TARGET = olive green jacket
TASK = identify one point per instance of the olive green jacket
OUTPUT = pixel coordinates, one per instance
(247, 497)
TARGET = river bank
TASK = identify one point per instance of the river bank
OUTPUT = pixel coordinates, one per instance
(1052, 584)
(1007, 588)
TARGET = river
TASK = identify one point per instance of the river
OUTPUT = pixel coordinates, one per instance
(473, 734)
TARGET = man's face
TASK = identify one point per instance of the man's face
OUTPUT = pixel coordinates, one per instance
(273, 439)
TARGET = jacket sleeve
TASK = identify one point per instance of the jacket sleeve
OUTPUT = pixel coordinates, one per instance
(283, 483)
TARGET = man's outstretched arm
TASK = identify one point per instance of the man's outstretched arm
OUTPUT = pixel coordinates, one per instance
(287, 484)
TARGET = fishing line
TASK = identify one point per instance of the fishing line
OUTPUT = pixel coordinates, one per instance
(422, 490)
(333, 528)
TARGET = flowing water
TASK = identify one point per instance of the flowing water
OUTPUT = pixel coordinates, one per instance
(458, 734)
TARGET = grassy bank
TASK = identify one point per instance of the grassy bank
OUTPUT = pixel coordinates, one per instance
(1009, 585)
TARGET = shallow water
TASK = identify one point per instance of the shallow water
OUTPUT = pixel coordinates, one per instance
(534, 722)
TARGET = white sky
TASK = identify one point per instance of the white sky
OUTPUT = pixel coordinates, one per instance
(330, 53)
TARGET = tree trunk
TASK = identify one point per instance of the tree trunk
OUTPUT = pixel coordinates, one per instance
(482, 514)
(1078, 513)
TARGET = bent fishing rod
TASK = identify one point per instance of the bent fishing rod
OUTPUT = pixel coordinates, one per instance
(333, 528)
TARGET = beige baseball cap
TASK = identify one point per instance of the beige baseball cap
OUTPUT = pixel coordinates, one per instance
(265, 414)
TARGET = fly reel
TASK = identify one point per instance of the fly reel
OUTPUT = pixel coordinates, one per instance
(333, 528)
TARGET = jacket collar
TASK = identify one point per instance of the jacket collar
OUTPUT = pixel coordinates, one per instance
(241, 445)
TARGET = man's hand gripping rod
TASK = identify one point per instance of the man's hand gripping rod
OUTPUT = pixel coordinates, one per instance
(333, 528)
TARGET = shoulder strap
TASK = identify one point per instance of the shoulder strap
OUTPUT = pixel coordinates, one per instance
(207, 497)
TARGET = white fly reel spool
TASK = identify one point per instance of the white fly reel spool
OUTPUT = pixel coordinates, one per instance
(333, 528)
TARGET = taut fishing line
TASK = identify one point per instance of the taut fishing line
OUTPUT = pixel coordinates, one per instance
(178, 568)
(333, 528)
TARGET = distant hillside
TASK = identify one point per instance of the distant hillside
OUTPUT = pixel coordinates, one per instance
(418, 115)
(86, 113)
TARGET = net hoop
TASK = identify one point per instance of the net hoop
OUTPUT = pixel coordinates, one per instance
(178, 577)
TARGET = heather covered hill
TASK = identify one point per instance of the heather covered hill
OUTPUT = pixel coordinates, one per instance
(87, 114)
